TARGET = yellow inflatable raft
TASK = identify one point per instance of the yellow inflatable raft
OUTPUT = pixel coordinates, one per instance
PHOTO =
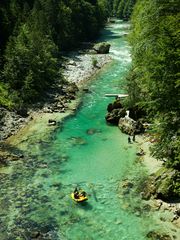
(79, 199)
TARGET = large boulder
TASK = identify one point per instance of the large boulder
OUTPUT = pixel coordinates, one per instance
(102, 48)
(128, 125)
(115, 105)
(114, 116)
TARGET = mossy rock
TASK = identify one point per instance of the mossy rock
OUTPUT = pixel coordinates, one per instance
(153, 235)
(164, 184)
(167, 182)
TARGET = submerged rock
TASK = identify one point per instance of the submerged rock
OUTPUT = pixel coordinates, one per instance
(126, 186)
(92, 131)
(86, 90)
(78, 141)
(57, 185)
(153, 235)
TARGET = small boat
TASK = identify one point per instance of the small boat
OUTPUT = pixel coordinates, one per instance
(81, 198)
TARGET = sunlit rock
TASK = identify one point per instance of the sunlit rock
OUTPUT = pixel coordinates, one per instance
(102, 48)
(129, 126)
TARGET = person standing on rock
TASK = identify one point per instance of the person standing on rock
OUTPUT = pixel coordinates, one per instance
(134, 137)
(129, 139)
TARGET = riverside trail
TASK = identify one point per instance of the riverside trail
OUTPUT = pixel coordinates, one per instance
(84, 151)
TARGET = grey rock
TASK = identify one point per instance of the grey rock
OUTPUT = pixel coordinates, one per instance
(114, 116)
(102, 48)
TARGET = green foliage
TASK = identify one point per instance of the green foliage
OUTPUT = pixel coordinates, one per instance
(154, 78)
(123, 8)
(167, 182)
(4, 96)
(32, 34)
(94, 62)
(30, 69)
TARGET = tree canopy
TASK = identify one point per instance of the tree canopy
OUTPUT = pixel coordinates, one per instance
(153, 82)
(123, 8)
(32, 35)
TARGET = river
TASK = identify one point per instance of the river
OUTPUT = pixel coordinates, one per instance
(84, 151)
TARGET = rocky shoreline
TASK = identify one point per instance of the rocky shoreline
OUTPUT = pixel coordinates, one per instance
(77, 70)
(60, 101)
(80, 68)
(169, 211)
(154, 190)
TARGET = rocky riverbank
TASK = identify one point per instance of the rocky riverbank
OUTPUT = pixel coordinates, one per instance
(168, 211)
(157, 189)
(60, 101)
(57, 101)
(81, 66)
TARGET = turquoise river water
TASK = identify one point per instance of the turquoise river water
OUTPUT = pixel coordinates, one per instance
(83, 151)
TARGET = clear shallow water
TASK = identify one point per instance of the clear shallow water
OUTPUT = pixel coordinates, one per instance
(86, 152)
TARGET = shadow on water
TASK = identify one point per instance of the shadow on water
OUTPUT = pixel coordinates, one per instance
(93, 192)
(115, 36)
(85, 205)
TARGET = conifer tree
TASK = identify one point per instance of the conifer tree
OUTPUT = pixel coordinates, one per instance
(155, 72)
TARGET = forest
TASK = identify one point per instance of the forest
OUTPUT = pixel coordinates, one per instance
(153, 82)
(27, 70)
(123, 8)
